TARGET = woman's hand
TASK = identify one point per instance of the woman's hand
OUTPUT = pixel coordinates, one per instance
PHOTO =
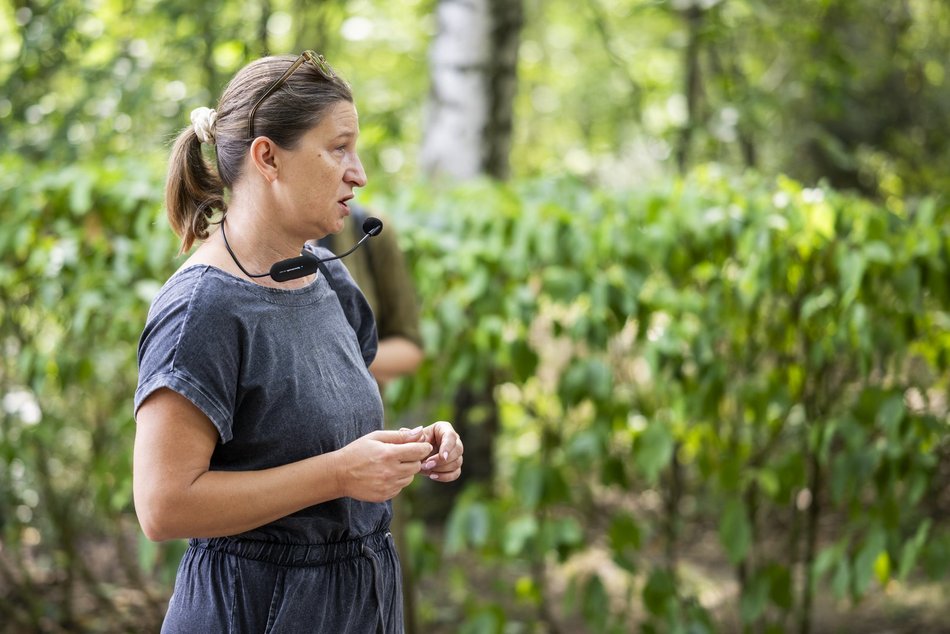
(444, 462)
(376, 467)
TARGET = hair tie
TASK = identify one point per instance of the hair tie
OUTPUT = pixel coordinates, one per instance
(203, 120)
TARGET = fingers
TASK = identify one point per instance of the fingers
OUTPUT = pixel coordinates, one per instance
(412, 452)
(444, 436)
(389, 490)
(442, 461)
(450, 444)
(397, 437)
(445, 472)
(406, 445)
(445, 464)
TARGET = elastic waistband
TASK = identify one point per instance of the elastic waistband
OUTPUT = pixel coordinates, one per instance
(297, 554)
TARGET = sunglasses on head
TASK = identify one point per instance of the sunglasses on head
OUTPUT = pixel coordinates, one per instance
(316, 60)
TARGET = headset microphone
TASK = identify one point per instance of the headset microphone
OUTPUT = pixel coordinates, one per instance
(306, 263)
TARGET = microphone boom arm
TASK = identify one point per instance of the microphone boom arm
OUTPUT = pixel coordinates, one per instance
(307, 263)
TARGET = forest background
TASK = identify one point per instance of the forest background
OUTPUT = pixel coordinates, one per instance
(683, 268)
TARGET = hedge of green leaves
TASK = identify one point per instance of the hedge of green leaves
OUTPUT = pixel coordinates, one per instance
(766, 361)
(82, 253)
(721, 354)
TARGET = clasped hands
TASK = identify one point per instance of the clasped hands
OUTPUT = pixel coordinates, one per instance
(377, 466)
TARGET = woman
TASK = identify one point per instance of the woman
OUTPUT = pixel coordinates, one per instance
(259, 428)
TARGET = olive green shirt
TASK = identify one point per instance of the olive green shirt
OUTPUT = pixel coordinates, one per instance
(379, 269)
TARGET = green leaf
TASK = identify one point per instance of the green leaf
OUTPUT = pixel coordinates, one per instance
(624, 532)
(556, 488)
(816, 303)
(524, 360)
(469, 524)
(878, 252)
(882, 568)
(596, 603)
(588, 378)
(517, 534)
(613, 472)
(841, 580)
(842, 478)
(486, 620)
(624, 537)
(754, 597)
(890, 415)
(653, 450)
(769, 481)
(80, 193)
(735, 531)
(826, 560)
(585, 447)
(864, 561)
(852, 265)
(781, 588)
(659, 591)
(911, 549)
(567, 531)
(529, 484)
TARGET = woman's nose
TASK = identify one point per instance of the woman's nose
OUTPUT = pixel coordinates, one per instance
(355, 174)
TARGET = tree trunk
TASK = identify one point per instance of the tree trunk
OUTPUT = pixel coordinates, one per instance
(507, 20)
(692, 89)
(263, 43)
(473, 61)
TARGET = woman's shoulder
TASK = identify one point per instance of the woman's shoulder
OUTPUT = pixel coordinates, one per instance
(182, 285)
(197, 288)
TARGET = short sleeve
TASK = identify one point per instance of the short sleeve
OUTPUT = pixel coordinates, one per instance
(192, 349)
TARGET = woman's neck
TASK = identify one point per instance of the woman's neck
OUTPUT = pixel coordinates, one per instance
(255, 242)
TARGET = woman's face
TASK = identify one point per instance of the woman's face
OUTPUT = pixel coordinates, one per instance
(323, 170)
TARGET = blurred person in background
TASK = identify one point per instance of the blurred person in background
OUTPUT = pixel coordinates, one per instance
(259, 427)
(379, 269)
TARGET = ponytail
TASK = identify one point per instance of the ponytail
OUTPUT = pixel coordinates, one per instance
(193, 191)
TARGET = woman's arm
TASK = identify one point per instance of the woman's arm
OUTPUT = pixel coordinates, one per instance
(177, 496)
(396, 356)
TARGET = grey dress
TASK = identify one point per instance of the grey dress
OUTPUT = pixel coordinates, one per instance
(282, 375)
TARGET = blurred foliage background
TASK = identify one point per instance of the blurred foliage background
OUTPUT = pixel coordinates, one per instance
(701, 334)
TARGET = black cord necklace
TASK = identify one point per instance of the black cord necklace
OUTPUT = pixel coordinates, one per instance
(234, 257)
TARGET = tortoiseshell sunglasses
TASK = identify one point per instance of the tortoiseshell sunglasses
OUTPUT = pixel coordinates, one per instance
(315, 59)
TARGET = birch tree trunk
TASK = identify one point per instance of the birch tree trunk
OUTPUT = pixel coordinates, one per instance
(472, 60)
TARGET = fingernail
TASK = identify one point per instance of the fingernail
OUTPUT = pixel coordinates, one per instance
(403, 429)
(434, 476)
(445, 456)
(415, 431)
(428, 465)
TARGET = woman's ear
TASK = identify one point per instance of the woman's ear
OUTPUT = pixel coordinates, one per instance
(263, 155)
